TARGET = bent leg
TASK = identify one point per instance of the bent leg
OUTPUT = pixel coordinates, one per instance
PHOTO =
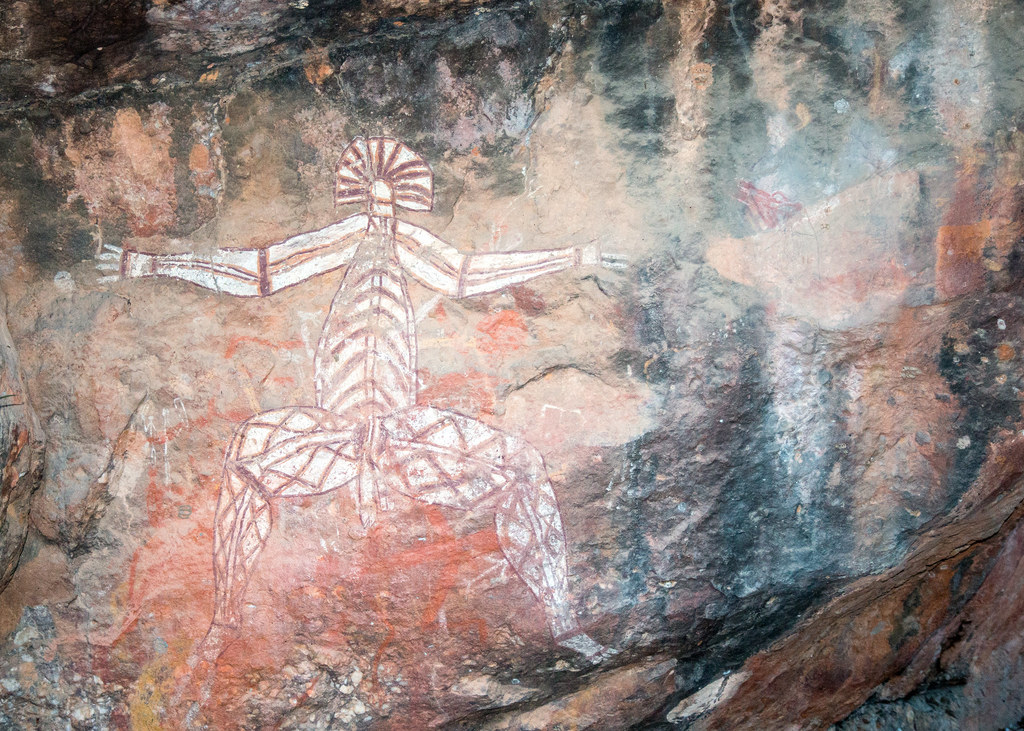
(241, 530)
(447, 459)
(531, 536)
(288, 452)
(292, 452)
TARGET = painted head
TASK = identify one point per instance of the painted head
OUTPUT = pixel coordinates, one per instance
(383, 174)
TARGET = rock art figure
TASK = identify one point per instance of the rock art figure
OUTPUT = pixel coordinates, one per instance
(770, 209)
(367, 434)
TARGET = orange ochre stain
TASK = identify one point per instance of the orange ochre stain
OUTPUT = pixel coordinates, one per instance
(858, 286)
(231, 414)
(502, 332)
(439, 312)
(448, 550)
(237, 341)
(470, 392)
(199, 157)
(452, 553)
(200, 164)
(958, 258)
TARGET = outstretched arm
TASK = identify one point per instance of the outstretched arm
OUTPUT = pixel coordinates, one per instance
(443, 268)
(249, 272)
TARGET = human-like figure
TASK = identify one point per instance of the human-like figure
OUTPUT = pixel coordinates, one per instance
(367, 434)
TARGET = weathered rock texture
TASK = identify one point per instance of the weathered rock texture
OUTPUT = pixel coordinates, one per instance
(785, 440)
(21, 449)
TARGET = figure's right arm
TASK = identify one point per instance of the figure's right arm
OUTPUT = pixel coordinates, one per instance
(249, 272)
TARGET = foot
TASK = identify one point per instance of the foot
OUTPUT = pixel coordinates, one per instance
(193, 687)
(584, 644)
(211, 646)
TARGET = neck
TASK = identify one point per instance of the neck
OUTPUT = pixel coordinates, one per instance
(381, 223)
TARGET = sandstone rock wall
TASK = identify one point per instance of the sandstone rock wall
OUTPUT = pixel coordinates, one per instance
(784, 438)
(21, 444)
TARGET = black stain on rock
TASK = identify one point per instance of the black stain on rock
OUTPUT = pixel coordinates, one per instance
(710, 475)
(968, 577)
(186, 218)
(56, 232)
(632, 56)
(779, 519)
(449, 84)
(736, 126)
(981, 361)
(634, 555)
(79, 31)
(907, 624)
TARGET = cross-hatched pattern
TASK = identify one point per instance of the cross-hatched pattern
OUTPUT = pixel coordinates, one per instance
(445, 458)
(241, 528)
(531, 536)
(297, 451)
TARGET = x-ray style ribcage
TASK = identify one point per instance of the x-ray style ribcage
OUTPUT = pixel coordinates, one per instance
(366, 434)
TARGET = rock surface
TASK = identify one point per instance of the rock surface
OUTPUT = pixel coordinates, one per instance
(21, 449)
(785, 439)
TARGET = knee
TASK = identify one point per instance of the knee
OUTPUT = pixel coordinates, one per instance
(250, 438)
(234, 446)
(234, 480)
(528, 462)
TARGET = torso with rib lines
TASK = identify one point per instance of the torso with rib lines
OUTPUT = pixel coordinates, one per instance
(365, 363)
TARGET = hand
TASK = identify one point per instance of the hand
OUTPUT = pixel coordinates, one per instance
(614, 261)
(109, 260)
(591, 255)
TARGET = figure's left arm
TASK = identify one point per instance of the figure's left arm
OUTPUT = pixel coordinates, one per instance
(443, 268)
